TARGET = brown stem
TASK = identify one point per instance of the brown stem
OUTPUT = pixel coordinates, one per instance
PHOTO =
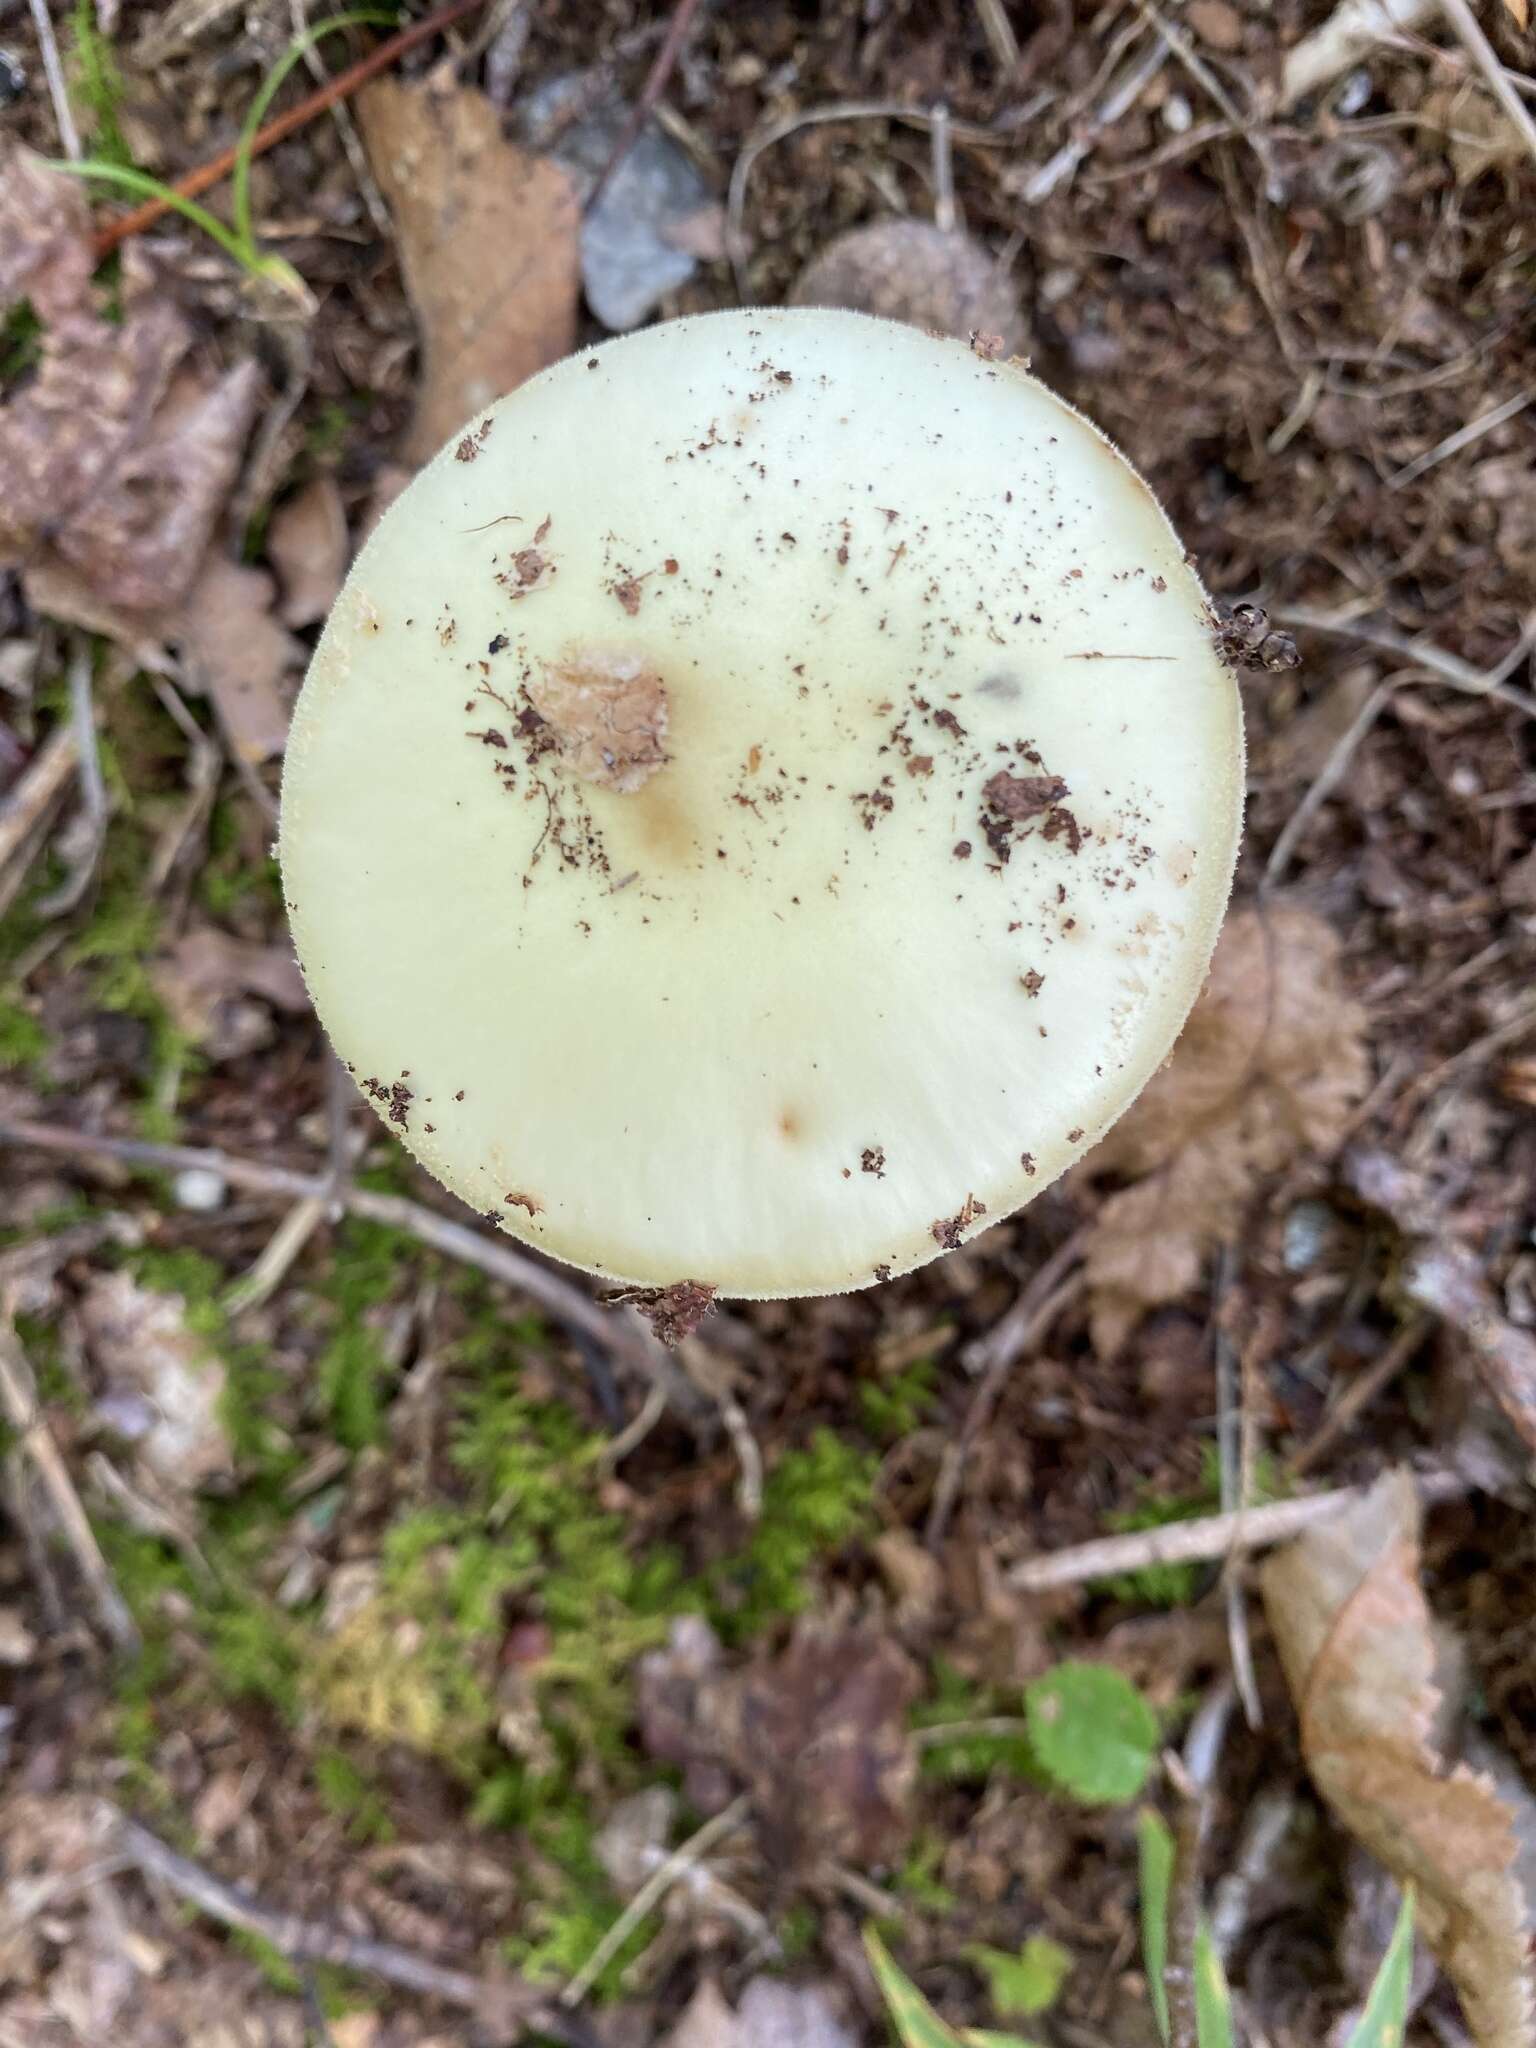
(655, 84)
(281, 126)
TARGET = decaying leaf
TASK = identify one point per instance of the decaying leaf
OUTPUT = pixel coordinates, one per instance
(818, 1735)
(772, 2014)
(206, 977)
(164, 1387)
(236, 651)
(308, 545)
(609, 711)
(1272, 1058)
(1354, 1634)
(488, 236)
(117, 453)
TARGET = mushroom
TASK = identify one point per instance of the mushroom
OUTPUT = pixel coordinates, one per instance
(763, 802)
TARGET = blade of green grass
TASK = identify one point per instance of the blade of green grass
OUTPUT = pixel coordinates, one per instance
(1156, 1847)
(1386, 2010)
(1213, 2001)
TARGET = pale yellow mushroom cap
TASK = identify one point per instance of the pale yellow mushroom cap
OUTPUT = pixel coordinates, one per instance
(763, 803)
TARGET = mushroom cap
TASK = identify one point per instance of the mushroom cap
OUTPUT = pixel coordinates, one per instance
(763, 802)
(913, 270)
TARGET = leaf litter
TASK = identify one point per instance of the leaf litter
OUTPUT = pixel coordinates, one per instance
(1357, 1643)
(1270, 1063)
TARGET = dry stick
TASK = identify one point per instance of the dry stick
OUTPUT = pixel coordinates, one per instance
(816, 117)
(341, 119)
(998, 30)
(1467, 26)
(1230, 1425)
(314, 1941)
(1114, 107)
(622, 1335)
(1047, 1293)
(1182, 48)
(651, 1892)
(53, 71)
(91, 783)
(1359, 1395)
(1214, 1537)
(341, 87)
(1463, 437)
(652, 90)
(1439, 662)
(24, 811)
(18, 1396)
(1351, 32)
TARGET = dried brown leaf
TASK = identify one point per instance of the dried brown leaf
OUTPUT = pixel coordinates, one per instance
(818, 1735)
(1354, 1634)
(236, 651)
(308, 545)
(1521, 11)
(208, 969)
(45, 236)
(165, 1388)
(1271, 1060)
(706, 2022)
(489, 241)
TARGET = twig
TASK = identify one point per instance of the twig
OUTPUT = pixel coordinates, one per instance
(53, 71)
(26, 810)
(1430, 1079)
(92, 786)
(1182, 48)
(994, 1356)
(652, 90)
(636, 1430)
(651, 1892)
(341, 87)
(1438, 662)
(1360, 1393)
(345, 126)
(1323, 785)
(622, 1335)
(1212, 1537)
(1234, 1491)
(301, 1940)
(942, 157)
(712, 1375)
(1463, 437)
(996, 1725)
(1116, 104)
(1447, 1279)
(1351, 32)
(18, 1396)
(1467, 26)
(998, 30)
(816, 117)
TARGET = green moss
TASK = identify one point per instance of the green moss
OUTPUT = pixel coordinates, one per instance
(919, 1880)
(229, 881)
(345, 1791)
(572, 1911)
(352, 1371)
(971, 1758)
(815, 1500)
(98, 84)
(1178, 1585)
(893, 1408)
(23, 1041)
(21, 342)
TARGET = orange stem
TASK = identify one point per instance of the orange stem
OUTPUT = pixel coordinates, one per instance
(282, 125)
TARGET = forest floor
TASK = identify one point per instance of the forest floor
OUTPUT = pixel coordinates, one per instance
(426, 1615)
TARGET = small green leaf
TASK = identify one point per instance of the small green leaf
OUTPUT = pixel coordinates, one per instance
(1092, 1732)
(1385, 2017)
(1213, 2001)
(1028, 1983)
(915, 2020)
(1156, 1844)
(983, 2037)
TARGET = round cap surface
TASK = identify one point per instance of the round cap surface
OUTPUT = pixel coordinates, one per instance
(763, 802)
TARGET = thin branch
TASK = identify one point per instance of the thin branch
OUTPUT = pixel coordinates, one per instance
(1463, 437)
(26, 810)
(341, 87)
(1234, 1469)
(53, 71)
(621, 1335)
(91, 784)
(1182, 48)
(18, 1397)
(1115, 106)
(512, 2002)
(1215, 1536)
(1361, 1392)
(1467, 26)
(655, 85)
(998, 30)
(651, 1893)
(1437, 662)
(1351, 32)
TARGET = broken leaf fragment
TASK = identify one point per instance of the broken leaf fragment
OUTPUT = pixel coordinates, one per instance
(1354, 1633)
